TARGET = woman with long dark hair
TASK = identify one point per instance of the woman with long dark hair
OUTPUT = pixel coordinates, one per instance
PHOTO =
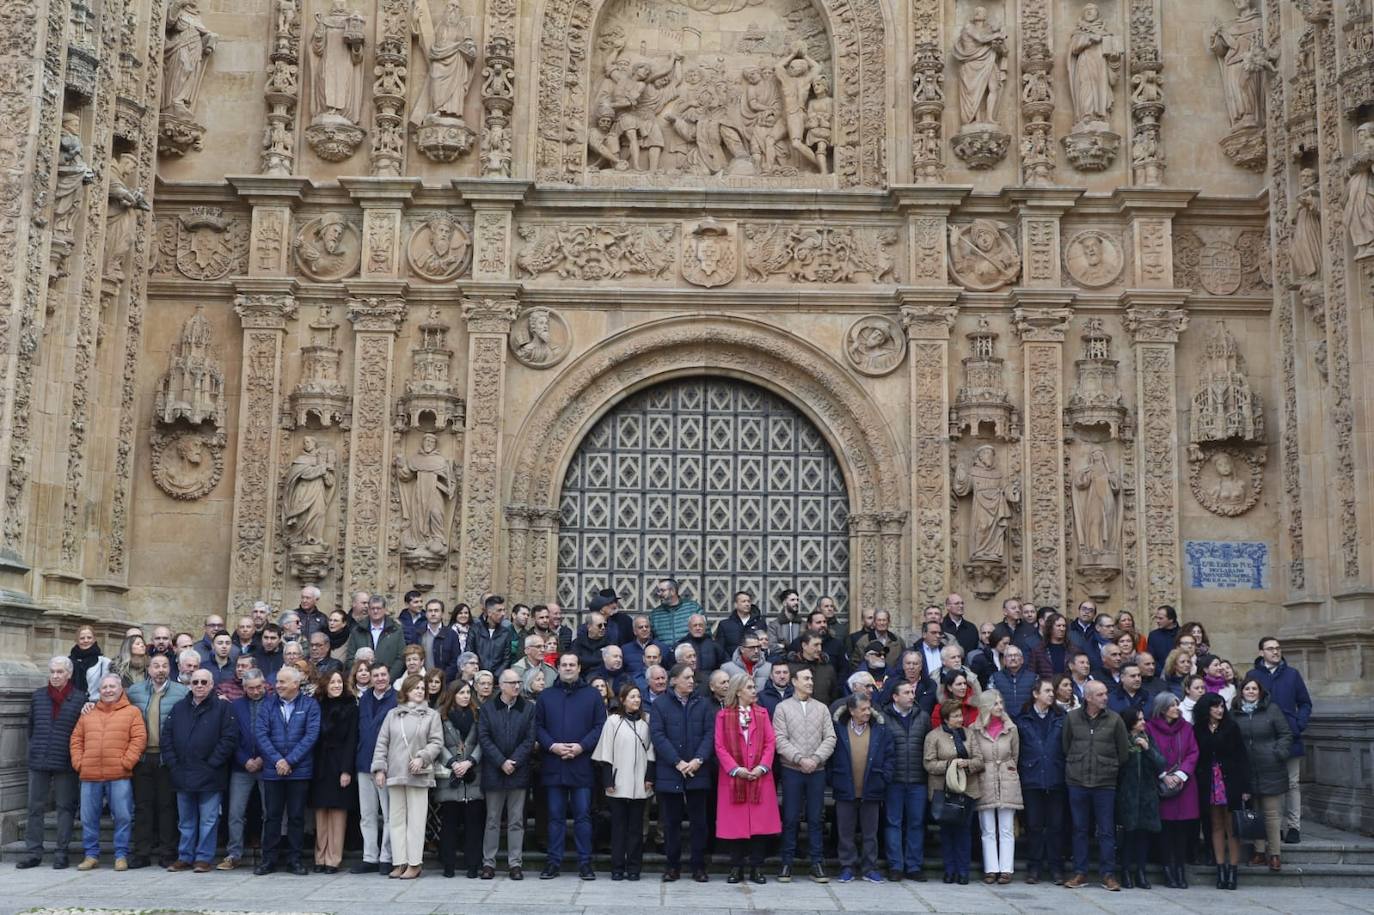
(955, 684)
(1051, 656)
(627, 750)
(1178, 803)
(1223, 781)
(746, 798)
(457, 789)
(1267, 737)
(460, 621)
(331, 786)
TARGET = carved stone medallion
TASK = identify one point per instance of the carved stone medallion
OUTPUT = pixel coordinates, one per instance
(328, 248)
(875, 345)
(187, 464)
(1227, 481)
(540, 338)
(439, 249)
(983, 255)
(1093, 258)
(1219, 268)
(210, 245)
(709, 253)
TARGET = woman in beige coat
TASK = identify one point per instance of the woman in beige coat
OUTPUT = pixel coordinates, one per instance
(410, 740)
(628, 752)
(950, 746)
(996, 737)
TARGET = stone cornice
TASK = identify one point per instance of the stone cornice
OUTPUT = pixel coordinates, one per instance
(269, 190)
(502, 192)
(386, 192)
(929, 199)
(1152, 201)
(1046, 201)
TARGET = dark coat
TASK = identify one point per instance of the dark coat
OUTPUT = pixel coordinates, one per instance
(1119, 702)
(446, 651)
(247, 746)
(1160, 642)
(730, 631)
(965, 633)
(1267, 742)
(411, 626)
(197, 743)
(371, 713)
(824, 688)
(569, 713)
(709, 654)
(390, 644)
(1048, 660)
(634, 655)
(335, 754)
(50, 737)
(925, 692)
(1015, 689)
(1094, 748)
(1137, 789)
(908, 736)
(682, 732)
(1041, 760)
(588, 650)
(877, 767)
(1287, 690)
(493, 647)
(505, 732)
(770, 696)
(1227, 747)
(293, 741)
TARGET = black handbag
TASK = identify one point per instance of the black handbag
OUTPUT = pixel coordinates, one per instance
(1165, 792)
(1247, 824)
(949, 808)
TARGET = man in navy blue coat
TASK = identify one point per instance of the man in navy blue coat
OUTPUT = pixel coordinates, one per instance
(247, 765)
(197, 744)
(287, 731)
(568, 718)
(683, 729)
(53, 714)
(373, 802)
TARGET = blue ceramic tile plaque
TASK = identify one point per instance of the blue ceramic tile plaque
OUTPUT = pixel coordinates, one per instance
(1227, 565)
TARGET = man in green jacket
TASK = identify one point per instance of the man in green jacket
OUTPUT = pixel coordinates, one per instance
(1095, 746)
(669, 619)
(380, 633)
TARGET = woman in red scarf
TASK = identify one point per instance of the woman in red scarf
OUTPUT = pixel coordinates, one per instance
(746, 801)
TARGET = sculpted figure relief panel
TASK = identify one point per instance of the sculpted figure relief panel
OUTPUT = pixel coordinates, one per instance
(980, 57)
(336, 85)
(1244, 61)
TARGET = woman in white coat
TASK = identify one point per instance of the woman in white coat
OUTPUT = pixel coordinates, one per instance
(627, 750)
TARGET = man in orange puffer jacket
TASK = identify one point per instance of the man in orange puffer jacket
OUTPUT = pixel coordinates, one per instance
(106, 744)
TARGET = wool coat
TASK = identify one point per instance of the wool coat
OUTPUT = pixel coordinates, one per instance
(1178, 747)
(1227, 747)
(458, 747)
(568, 713)
(1137, 788)
(1000, 783)
(627, 750)
(682, 732)
(1267, 742)
(756, 814)
(107, 743)
(334, 754)
(409, 732)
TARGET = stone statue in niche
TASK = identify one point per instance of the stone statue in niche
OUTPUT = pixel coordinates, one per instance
(993, 497)
(184, 59)
(429, 482)
(337, 87)
(540, 338)
(1097, 511)
(980, 54)
(1244, 61)
(307, 491)
(983, 255)
(1306, 248)
(73, 174)
(1094, 66)
(450, 51)
(1359, 195)
(121, 220)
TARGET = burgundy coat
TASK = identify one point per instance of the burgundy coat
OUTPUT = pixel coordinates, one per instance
(1178, 745)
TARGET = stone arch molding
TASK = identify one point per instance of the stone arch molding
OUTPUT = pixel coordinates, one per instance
(749, 350)
(859, 34)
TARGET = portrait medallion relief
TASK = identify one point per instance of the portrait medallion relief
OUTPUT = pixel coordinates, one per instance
(983, 255)
(709, 256)
(1094, 259)
(187, 464)
(439, 249)
(540, 338)
(875, 345)
(328, 248)
(1228, 481)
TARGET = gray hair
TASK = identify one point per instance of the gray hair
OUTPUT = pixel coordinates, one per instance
(296, 674)
(650, 671)
(262, 605)
(188, 653)
(114, 677)
(252, 673)
(61, 661)
(367, 654)
(287, 616)
(1162, 703)
(467, 656)
(312, 591)
(681, 650)
(611, 650)
(950, 651)
(529, 640)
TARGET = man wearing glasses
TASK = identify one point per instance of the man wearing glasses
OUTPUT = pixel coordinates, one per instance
(197, 743)
(505, 732)
(1288, 691)
(670, 618)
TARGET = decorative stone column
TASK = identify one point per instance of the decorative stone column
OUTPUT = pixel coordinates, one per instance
(376, 321)
(273, 199)
(493, 206)
(1042, 330)
(542, 554)
(865, 563)
(265, 307)
(890, 525)
(1155, 329)
(517, 551)
(489, 319)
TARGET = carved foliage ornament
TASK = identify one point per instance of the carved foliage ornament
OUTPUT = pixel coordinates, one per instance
(819, 254)
(598, 251)
(875, 345)
(328, 248)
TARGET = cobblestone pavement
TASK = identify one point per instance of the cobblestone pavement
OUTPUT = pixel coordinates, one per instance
(103, 891)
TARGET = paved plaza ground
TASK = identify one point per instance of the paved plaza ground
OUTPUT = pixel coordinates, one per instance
(104, 892)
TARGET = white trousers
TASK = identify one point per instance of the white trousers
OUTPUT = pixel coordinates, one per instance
(409, 807)
(999, 842)
(374, 809)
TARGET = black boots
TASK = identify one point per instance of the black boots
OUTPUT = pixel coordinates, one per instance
(1142, 882)
(1127, 878)
(1221, 876)
(1232, 871)
(736, 875)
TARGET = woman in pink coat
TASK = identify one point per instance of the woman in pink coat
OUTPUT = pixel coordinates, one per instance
(1178, 813)
(746, 801)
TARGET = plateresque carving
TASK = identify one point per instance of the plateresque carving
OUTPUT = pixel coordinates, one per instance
(430, 392)
(540, 338)
(1227, 421)
(307, 492)
(980, 56)
(596, 252)
(328, 248)
(982, 408)
(994, 497)
(184, 59)
(337, 85)
(188, 416)
(818, 254)
(1094, 67)
(1094, 258)
(428, 483)
(875, 345)
(983, 255)
(440, 248)
(710, 255)
(450, 52)
(1244, 61)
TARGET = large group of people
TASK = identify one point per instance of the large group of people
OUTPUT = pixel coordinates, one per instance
(453, 729)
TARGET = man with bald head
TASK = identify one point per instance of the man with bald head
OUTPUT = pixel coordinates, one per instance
(1096, 745)
(957, 627)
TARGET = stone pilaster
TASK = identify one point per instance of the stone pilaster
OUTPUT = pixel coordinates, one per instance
(269, 241)
(376, 321)
(927, 210)
(493, 224)
(382, 201)
(517, 550)
(1155, 328)
(264, 307)
(489, 317)
(542, 554)
(865, 562)
(928, 320)
(890, 526)
(1042, 329)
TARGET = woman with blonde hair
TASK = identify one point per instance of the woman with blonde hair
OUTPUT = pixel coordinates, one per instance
(410, 740)
(130, 665)
(1178, 666)
(746, 798)
(999, 742)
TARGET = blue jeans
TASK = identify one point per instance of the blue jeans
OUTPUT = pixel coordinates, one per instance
(121, 796)
(1085, 806)
(904, 814)
(241, 787)
(197, 819)
(956, 843)
(562, 798)
(797, 787)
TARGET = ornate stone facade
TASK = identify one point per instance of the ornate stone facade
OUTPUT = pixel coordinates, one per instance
(329, 292)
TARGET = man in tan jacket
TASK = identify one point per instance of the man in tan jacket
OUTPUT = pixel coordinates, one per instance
(106, 744)
(805, 740)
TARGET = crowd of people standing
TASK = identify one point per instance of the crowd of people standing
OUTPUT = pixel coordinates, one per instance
(439, 728)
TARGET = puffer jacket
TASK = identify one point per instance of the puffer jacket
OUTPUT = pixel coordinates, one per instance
(940, 750)
(1286, 689)
(506, 732)
(908, 744)
(458, 748)
(1001, 780)
(409, 732)
(1094, 748)
(1268, 740)
(107, 743)
(50, 737)
(293, 741)
(1042, 749)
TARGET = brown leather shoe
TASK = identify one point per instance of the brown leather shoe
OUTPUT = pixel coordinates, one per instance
(1274, 864)
(1257, 859)
(227, 864)
(989, 878)
(397, 871)
(1076, 881)
(1111, 884)
(201, 867)
(177, 867)
(1004, 878)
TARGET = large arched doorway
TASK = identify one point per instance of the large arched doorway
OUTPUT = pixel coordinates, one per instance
(713, 480)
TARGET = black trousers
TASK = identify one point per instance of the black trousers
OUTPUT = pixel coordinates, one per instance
(1135, 848)
(1173, 843)
(755, 846)
(155, 811)
(283, 798)
(671, 809)
(469, 819)
(627, 834)
(1044, 813)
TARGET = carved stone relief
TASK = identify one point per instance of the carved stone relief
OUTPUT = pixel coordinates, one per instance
(73, 174)
(1244, 62)
(185, 56)
(1094, 258)
(188, 416)
(1222, 261)
(307, 491)
(449, 50)
(431, 392)
(594, 252)
(336, 45)
(710, 252)
(498, 94)
(186, 465)
(282, 92)
(874, 345)
(1037, 95)
(1228, 481)
(320, 398)
(994, 499)
(1305, 251)
(328, 248)
(1095, 410)
(982, 408)
(1226, 430)
(980, 58)
(1094, 67)
(983, 255)
(819, 254)
(927, 95)
(1359, 193)
(1097, 511)
(439, 248)
(540, 338)
(203, 244)
(126, 198)
(1147, 95)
